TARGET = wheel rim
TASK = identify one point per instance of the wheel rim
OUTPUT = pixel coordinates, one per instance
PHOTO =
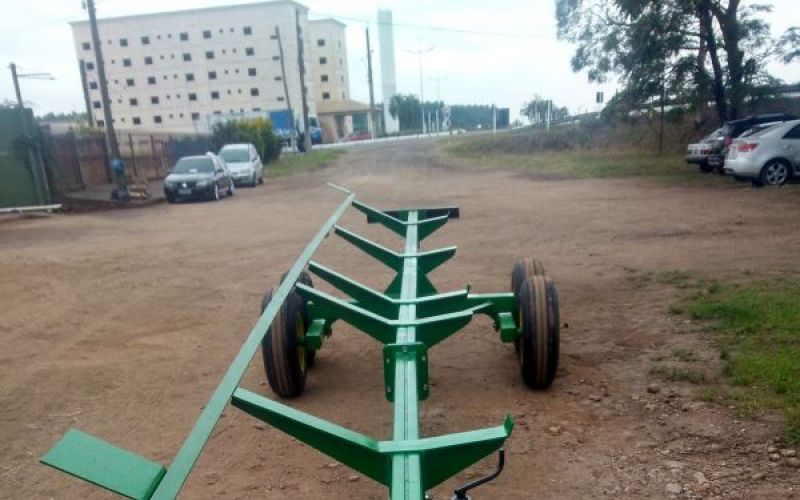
(216, 192)
(776, 174)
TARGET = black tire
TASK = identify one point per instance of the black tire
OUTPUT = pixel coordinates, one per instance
(261, 179)
(170, 199)
(305, 278)
(231, 189)
(706, 168)
(282, 350)
(538, 310)
(775, 173)
(523, 269)
(215, 195)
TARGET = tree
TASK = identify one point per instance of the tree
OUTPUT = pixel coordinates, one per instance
(661, 50)
(256, 131)
(789, 45)
(406, 109)
(536, 111)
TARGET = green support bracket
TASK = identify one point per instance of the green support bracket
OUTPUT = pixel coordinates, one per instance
(426, 226)
(416, 353)
(391, 259)
(365, 296)
(315, 334)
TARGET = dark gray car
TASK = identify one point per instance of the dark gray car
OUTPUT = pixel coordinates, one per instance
(198, 177)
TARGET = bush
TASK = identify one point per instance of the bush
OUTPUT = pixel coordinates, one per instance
(256, 131)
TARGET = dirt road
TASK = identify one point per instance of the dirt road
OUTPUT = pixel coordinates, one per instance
(121, 323)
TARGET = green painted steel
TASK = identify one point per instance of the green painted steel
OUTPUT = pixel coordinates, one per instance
(104, 464)
(408, 318)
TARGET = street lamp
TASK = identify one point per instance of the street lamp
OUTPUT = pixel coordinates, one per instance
(419, 53)
(30, 76)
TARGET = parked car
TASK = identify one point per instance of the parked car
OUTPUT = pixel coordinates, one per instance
(205, 177)
(244, 163)
(358, 136)
(770, 156)
(733, 129)
(699, 152)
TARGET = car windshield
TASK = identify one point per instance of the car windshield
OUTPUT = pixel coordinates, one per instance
(713, 135)
(194, 166)
(233, 155)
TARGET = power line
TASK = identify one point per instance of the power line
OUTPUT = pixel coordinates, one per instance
(435, 28)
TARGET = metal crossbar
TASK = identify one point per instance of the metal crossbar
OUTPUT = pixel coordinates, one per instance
(408, 318)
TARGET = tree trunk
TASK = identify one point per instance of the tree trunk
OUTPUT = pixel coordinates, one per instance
(718, 86)
(702, 82)
(728, 20)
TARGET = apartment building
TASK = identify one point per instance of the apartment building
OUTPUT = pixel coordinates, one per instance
(180, 71)
(329, 60)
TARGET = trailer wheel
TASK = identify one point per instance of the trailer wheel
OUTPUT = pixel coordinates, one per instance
(282, 347)
(538, 315)
(522, 270)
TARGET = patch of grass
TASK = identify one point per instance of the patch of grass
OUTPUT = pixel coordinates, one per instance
(639, 279)
(679, 374)
(579, 163)
(685, 355)
(677, 278)
(289, 164)
(757, 326)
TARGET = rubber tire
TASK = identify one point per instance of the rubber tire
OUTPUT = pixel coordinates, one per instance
(706, 168)
(523, 269)
(305, 278)
(231, 189)
(762, 178)
(170, 199)
(254, 182)
(261, 179)
(215, 194)
(539, 347)
(285, 374)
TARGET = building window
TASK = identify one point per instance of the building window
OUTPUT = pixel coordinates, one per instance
(278, 78)
(207, 34)
(157, 119)
(281, 98)
(251, 71)
(148, 60)
(151, 80)
(189, 77)
(326, 95)
(89, 66)
(212, 75)
(129, 82)
(123, 42)
(154, 99)
(320, 42)
(133, 101)
(126, 63)
(137, 120)
(323, 60)
(86, 46)
(247, 30)
(145, 40)
(209, 54)
(192, 96)
(254, 92)
(101, 123)
(195, 117)
(214, 94)
(324, 78)
(249, 51)
(93, 85)
(96, 105)
(184, 37)
(187, 57)
(276, 58)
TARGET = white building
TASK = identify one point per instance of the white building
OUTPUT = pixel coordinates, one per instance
(174, 71)
(329, 60)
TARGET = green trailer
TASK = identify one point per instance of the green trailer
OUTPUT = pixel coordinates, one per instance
(408, 318)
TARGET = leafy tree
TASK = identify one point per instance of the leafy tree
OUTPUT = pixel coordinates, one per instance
(536, 111)
(257, 131)
(789, 45)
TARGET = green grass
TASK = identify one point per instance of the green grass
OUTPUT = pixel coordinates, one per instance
(685, 355)
(289, 164)
(679, 374)
(757, 326)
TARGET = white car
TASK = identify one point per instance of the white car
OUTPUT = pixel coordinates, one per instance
(770, 156)
(244, 163)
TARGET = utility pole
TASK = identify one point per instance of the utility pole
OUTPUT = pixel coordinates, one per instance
(303, 89)
(494, 119)
(549, 112)
(16, 83)
(371, 91)
(111, 135)
(86, 101)
(283, 74)
(419, 53)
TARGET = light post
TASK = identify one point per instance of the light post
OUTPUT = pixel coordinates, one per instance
(419, 53)
(30, 76)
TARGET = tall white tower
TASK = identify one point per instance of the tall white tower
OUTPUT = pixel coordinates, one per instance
(388, 78)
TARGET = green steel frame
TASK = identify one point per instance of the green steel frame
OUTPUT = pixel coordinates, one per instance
(408, 318)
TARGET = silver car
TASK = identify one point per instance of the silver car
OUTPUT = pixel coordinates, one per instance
(244, 163)
(768, 157)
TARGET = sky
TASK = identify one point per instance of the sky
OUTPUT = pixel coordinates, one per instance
(516, 57)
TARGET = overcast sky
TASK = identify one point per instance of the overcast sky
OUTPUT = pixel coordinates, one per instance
(506, 69)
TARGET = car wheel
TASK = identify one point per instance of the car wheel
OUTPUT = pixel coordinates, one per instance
(254, 181)
(231, 188)
(215, 196)
(775, 173)
(706, 168)
(261, 179)
(170, 198)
